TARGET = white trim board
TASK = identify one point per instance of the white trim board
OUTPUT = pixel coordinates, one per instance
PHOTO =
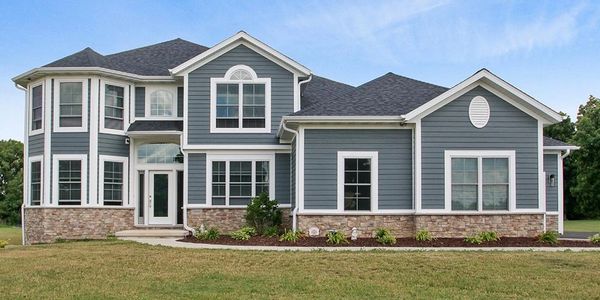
(29, 107)
(84, 178)
(125, 178)
(84, 105)
(374, 182)
(102, 106)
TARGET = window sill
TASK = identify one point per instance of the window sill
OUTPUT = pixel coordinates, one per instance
(240, 130)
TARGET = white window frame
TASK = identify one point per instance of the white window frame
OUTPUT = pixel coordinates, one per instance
(84, 105)
(125, 188)
(103, 84)
(84, 177)
(148, 101)
(30, 108)
(229, 158)
(374, 157)
(480, 155)
(227, 80)
(33, 159)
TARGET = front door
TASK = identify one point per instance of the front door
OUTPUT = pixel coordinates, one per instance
(161, 198)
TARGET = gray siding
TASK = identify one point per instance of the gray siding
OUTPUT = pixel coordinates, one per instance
(394, 148)
(197, 178)
(551, 168)
(110, 144)
(36, 144)
(70, 143)
(449, 128)
(282, 178)
(282, 97)
(140, 101)
(180, 101)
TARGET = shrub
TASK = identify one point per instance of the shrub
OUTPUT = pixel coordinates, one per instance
(262, 213)
(3, 243)
(595, 239)
(271, 231)
(385, 237)
(549, 237)
(336, 238)
(474, 239)
(210, 234)
(489, 236)
(243, 234)
(423, 236)
(291, 236)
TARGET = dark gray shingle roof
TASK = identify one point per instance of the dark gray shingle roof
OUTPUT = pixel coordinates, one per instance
(388, 95)
(153, 60)
(320, 89)
(147, 125)
(548, 141)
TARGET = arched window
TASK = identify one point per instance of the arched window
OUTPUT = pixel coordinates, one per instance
(162, 103)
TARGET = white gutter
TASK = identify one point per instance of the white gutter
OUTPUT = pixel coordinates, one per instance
(566, 154)
(185, 224)
(295, 210)
(105, 71)
(300, 87)
(24, 162)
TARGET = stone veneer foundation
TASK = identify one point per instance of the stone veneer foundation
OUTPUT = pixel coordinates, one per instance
(552, 223)
(46, 225)
(441, 226)
(225, 219)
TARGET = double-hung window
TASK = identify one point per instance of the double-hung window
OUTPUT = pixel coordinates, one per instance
(115, 100)
(161, 102)
(480, 180)
(35, 179)
(236, 182)
(70, 105)
(37, 108)
(69, 175)
(113, 172)
(240, 102)
(357, 181)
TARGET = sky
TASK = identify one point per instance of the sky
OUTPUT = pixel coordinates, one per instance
(549, 49)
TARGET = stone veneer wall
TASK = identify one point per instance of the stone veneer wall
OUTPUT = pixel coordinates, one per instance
(399, 225)
(511, 225)
(552, 223)
(45, 225)
(226, 219)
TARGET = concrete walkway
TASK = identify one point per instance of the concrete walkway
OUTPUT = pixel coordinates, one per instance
(577, 235)
(171, 242)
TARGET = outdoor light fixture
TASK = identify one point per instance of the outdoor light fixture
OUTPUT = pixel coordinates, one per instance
(551, 180)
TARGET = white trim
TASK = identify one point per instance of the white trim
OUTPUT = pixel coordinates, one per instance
(184, 140)
(25, 186)
(417, 164)
(353, 122)
(31, 160)
(333, 212)
(91, 70)
(296, 94)
(374, 157)
(84, 105)
(149, 89)
(561, 204)
(541, 173)
(300, 166)
(84, 178)
(479, 111)
(102, 103)
(270, 157)
(29, 107)
(47, 200)
(487, 77)
(237, 147)
(93, 150)
(232, 42)
(227, 80)
(479, 155)
(125, 185)
(561, 147)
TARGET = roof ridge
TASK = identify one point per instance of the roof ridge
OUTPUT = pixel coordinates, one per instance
(154, 45)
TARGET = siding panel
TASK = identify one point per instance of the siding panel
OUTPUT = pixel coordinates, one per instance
(140, 101)
(36, 144)
(449, 128)
(197, 178)
(551, 168)
(282, 178)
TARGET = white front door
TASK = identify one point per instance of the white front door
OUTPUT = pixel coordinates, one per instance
(161, 198)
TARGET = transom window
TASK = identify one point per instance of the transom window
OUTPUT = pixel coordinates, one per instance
(357, 181)
(69, 182)
(159, 154)
(240, 102)
(480, 182)
(36, 183)
(114, 106)
(71, 104)
(37, 113)
(162, 103)
(237, 182)
(113, 183)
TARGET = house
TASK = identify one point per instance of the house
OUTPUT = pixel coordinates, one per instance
(178, 135)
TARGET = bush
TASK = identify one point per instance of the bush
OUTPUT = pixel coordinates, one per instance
(474, 239)
(595, 239)
(489, 236)
(336, 238)
(210, 234)
(243, 234)
(549, 237)
(291, 236)
(423, 236)
(271, 231)
(3, 243)
(385, 237)
(262, 213)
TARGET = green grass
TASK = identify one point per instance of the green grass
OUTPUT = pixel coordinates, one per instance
(10, 234)
(117, 269)
(582, 225)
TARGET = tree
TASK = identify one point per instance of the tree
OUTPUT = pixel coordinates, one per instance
(11, 181)
(586, 160)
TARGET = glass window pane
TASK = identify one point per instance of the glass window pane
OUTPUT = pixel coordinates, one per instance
(159, 154)
(464, 197)
(69, 182)
(495, 197)
(162, 103)
(464, 170)
(495, 170)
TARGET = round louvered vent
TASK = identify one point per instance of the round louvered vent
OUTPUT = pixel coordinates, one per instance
(479, 112)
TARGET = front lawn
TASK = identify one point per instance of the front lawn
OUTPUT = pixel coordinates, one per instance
(117, 269)
(582, 225)
(10, 234)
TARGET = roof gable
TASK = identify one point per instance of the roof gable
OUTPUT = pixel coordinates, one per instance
(241, 38)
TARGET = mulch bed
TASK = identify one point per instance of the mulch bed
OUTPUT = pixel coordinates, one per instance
(400, 242)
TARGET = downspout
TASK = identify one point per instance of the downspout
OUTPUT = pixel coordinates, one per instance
(185, 202)
(23, 241)
(566, 154)
(295, 210)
